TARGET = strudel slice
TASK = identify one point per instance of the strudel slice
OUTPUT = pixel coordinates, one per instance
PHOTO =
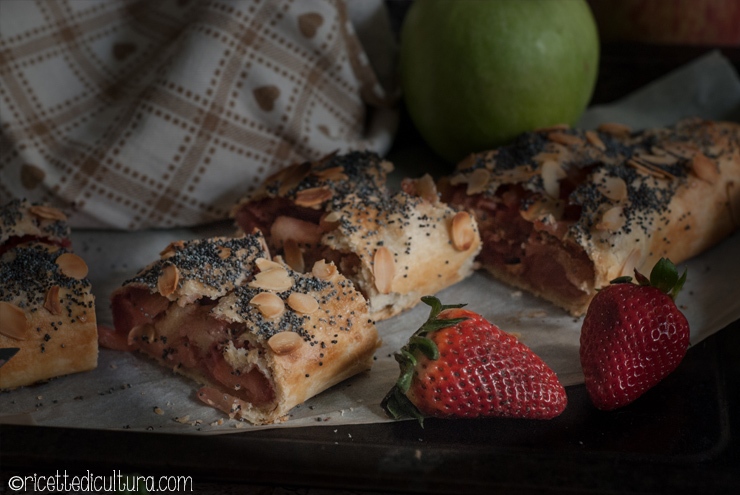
(47, 309)
(395, 247)
(260, 337)
(563, 211)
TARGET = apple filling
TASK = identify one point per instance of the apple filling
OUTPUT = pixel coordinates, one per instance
(525, 242)
(295, 232)
(192, 341)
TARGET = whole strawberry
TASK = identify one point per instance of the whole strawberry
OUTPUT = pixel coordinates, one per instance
(458, 365)
(633, 336)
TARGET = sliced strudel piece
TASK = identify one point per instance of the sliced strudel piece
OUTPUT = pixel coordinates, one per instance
(395, 247)
(47, 309)
(564, 211)
(260, 337)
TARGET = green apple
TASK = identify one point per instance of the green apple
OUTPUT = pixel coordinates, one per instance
(476, 73)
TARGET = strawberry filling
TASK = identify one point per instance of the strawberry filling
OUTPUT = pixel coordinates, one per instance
(187, 337)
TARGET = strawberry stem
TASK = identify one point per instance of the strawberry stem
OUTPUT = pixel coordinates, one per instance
(396, 404)
(663, 276)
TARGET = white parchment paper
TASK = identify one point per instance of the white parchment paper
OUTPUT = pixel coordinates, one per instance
(128, 391)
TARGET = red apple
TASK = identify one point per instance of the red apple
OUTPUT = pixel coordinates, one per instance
(687, 22)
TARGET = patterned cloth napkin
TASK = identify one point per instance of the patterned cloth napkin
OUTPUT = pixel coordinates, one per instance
(134, 114)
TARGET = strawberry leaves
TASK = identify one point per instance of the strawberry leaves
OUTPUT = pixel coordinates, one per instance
(396, 404)
(663, 276)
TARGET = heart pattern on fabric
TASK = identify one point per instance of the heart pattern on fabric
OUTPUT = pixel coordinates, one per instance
(309, 24)
(31, 176)
(266, 96)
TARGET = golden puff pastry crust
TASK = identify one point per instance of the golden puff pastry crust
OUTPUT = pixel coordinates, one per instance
(47, 311)
(260, 337)
(395, 247)
(563, 211)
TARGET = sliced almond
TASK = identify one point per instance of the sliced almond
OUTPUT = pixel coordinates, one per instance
(618, 130)
(270, 305)
(545, 156)
(72, 266)
(14, 322)
(223, 252)
(332, 173)
(462, 231)
(277, 279)
(664, 159)
(647, 169)
(51, 301)
(478, 181)
(705, 168)
(330, 221)
(284, 342)
(168, 280)
(264, 264)
(323, 270)
(614, 188)
(552, 172)
(171, 249)
(384, 269)
(595, 140)
(291, 176)
(294, 255)
(313, 197)
(47, 212)
(565, 139)
(612, 219)
(680, 149)
(423, 187)
(303, 303)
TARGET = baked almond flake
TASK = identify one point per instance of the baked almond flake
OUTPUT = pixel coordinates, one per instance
(333, 174)
(614, 188)
(72, 266)
(47, 212)
(615, 129)
(313, 197)
(168, 280)
(276, 279)
(565, 139)
(14, 322)
(303, 303)
(612, 220)
(284, 342)
(291, 176)
(270, 305)
(384, 269)
(323, 270)
(462, 231)
(595, 140)
(51, 301)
